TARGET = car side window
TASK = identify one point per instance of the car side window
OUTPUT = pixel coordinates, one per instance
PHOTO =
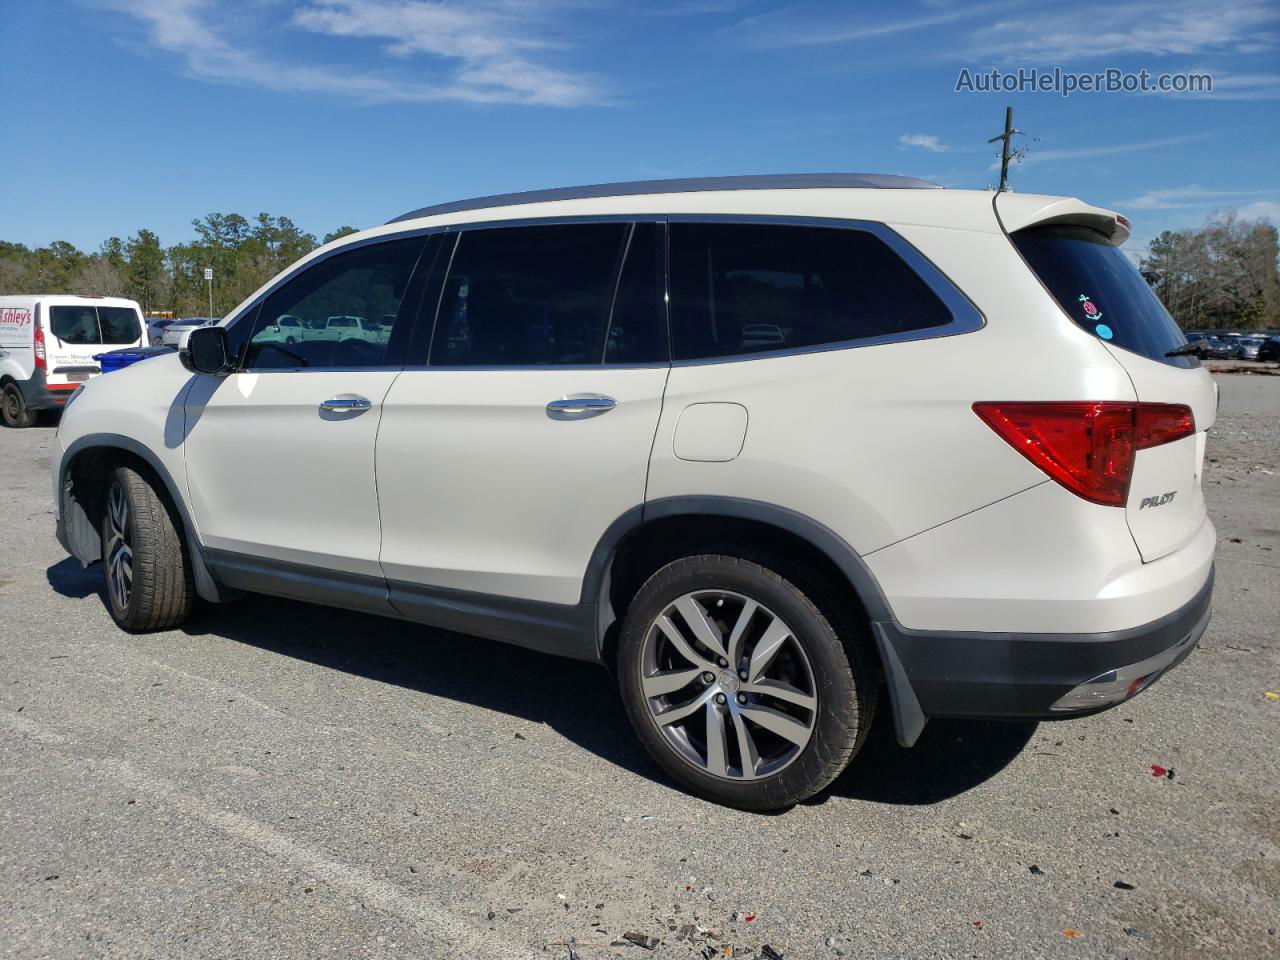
(529, 296)
(319, 317)
(740, 288)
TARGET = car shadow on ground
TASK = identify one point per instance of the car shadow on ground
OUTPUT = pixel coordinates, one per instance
(577, 700)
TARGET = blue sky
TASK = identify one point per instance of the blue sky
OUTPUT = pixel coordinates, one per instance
(122, 114)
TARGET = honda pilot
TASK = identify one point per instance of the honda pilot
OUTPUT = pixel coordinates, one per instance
(782, 452)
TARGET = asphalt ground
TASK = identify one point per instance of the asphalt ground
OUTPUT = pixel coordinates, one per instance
(283, 780)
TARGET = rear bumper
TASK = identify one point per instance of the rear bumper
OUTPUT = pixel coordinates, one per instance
(1031, 676)
(38, 394)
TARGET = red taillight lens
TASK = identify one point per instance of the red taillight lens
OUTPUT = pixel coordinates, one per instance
(41, 360)
(1087, 447)
(1163, 423)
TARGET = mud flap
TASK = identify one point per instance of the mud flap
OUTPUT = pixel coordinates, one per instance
(908, 718)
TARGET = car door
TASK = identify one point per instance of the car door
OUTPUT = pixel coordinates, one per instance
(280, 452)
(524, 430)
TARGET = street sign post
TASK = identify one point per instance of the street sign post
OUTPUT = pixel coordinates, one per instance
(208, 276)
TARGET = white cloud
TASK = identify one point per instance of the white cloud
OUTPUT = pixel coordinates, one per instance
(1242, 86)
(789, 27)
(1184, 27)
(1111, 149)
(925, 141)
(1014, 32)
(1260, 210)
(1177, 198)
(480, 52)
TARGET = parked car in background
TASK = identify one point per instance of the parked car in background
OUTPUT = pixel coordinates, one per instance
(1216, 348)
(1247, 348)
(172, 334)
(156, 327)
(1270, 349)
(47, 344)
(758, 443)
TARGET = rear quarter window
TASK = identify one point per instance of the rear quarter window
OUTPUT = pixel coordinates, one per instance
(755, 288)
(1101, 290)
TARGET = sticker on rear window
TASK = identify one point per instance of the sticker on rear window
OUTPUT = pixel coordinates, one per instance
(1103, 331)
(1090, 308)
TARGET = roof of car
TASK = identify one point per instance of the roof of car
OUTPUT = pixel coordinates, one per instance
(772, 181)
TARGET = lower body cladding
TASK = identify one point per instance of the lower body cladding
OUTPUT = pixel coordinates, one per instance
(1030, 676)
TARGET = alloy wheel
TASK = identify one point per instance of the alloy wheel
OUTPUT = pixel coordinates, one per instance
(728, 685)
(119, 550)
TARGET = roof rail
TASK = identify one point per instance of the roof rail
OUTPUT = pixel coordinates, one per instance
(770, 181)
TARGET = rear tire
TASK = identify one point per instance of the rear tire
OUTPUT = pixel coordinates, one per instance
(14, 409)
(148, 575)
(790, 702)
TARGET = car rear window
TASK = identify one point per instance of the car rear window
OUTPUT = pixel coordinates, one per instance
(1101, 290)
(119, 325)
(90, 324)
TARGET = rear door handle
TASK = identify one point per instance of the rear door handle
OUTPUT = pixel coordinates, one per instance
(346, 403)
(580, 407)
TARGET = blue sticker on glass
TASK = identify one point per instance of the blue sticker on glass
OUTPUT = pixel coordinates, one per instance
(1103, 331)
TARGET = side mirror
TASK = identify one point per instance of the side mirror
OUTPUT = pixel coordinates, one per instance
(206, 350)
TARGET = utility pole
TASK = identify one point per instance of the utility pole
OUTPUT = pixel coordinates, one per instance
(1007, 137)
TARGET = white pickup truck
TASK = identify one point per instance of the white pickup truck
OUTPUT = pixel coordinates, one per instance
(288, 329)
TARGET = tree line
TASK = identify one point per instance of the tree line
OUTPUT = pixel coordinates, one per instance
(1223, 275)
(243, 254)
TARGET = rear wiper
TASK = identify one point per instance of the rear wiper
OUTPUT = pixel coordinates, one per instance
(1194, 348)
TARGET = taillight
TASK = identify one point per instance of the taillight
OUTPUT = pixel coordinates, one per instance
(1163, 423)
(1088, 447)
(41, 359)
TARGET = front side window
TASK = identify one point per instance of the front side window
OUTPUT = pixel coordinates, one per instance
(314, 319)
(91, 324)
(529, 296)
(739, 288)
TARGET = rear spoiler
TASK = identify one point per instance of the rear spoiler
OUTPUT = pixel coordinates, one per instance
(1017, 211)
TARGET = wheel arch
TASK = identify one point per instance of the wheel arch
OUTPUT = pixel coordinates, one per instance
(639, 540)
(81, 487)
(612, 572)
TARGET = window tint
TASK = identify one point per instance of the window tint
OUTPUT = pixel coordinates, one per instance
(89, 324)
(314, 320)
(119, 325)
(1101, 290)
(74, 324)
(748, 288)
(526, 296)
(638, 325)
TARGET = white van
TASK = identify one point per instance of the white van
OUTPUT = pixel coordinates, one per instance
(47, 344)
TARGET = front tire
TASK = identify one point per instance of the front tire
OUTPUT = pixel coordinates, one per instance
(738, 684)
(14, 409)
(148, 575)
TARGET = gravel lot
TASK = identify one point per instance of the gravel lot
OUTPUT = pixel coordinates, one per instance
(282, 780)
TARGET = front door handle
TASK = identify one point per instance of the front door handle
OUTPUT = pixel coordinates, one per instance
(346, 403)
(580, 407)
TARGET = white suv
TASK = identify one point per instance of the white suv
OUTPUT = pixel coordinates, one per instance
(769, 447)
